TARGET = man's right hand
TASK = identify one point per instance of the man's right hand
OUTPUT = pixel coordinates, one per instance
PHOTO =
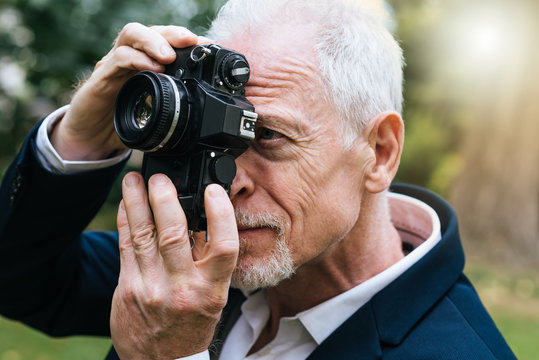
(87, 131)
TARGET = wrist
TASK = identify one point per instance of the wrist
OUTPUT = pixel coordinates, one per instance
(70, 146)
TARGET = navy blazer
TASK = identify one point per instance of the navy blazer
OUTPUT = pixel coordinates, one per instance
(59, 279)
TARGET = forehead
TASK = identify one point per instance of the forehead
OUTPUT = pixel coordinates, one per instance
(284, 68)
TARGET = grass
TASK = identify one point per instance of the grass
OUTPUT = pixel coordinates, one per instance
(512, 298)
(521, 333)
(18, 342)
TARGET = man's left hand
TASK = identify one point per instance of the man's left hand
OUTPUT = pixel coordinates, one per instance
(168, 301)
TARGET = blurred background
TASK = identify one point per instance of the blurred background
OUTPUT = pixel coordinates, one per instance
(471, 113)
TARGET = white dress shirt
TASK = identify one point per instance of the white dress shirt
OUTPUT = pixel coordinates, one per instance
(298, 335)
(52, 161)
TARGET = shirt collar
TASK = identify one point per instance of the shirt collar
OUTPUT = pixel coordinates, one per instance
(417, 224)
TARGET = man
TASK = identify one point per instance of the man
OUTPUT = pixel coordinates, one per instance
(332, 264)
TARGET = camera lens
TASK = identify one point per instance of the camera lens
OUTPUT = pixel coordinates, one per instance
(151, 112)
(143, 110)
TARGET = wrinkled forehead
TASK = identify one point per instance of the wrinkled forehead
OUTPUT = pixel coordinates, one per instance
(285, 83)
(284, 53)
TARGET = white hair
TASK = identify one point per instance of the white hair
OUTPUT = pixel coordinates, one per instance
(360, 61)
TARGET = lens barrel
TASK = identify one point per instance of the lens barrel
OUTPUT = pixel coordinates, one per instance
(151, 112)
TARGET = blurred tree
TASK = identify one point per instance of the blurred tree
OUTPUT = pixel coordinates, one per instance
(46, 45)
(431, 109)
(471, 104)
(497, 192)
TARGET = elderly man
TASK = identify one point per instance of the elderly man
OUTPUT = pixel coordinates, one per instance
(329, 264)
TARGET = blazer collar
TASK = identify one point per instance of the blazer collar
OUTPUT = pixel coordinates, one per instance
(380, 321)
(357, 338)
(391, 314)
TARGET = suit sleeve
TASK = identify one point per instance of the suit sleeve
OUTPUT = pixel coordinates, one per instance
(53, 276)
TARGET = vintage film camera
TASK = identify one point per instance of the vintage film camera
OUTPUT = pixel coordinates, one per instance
(191, 122)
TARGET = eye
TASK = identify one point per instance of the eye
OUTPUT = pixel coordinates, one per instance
(263, 133)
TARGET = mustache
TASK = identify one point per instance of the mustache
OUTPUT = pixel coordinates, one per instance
(250, 219)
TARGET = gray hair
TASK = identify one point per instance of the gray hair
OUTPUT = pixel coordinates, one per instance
(360, 61)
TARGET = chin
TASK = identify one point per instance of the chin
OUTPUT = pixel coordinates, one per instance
(268, 270)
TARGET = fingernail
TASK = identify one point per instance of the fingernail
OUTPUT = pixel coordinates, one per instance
(215, 191)
(167, 50)
(131, 179)
(159, 179)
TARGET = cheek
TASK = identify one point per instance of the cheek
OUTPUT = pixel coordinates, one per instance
(329, 216)
(322, 200)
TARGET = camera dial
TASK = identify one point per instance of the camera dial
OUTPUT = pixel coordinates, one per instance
(234, 71)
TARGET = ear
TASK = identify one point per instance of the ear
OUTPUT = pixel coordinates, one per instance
(385, 134)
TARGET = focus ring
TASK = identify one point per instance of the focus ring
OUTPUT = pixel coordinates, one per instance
(163, 119)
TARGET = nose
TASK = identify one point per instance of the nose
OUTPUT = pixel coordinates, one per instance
(243, 184)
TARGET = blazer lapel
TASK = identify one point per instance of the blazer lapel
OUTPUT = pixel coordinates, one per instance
(357, 338)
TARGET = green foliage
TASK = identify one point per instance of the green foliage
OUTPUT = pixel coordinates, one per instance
(19, 342)
(432, 107)
(428, 159)
(520, 332)
(512, 298)
(46, 46)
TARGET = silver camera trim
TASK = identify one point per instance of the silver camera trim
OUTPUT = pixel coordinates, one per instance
(176, 115)
(247, 117)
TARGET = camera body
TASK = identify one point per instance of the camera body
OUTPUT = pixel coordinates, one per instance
(191, 122)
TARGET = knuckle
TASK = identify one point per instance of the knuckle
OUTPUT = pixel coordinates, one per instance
(130, 29)
(100, 63)
(215, 303)
(227, 247)
(220, 300)
(172, 236)
(127, 291)
(124, 246)
(122, 52)
(154, 297)
(143, 237)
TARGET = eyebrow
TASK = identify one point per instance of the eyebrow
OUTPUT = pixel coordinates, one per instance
(279, 122)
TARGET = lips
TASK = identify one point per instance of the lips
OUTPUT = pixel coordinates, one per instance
(244, 230)
(247, 228)
(256, 222)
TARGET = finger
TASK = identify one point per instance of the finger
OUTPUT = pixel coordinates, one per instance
(141, 227)
(123, 61)
(130, 58)
(174, 245)
(222, 234)
(177, 36)
(128, 262)
(204, 40)
(148, 40)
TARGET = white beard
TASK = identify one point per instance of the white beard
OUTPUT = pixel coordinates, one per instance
(269, 270)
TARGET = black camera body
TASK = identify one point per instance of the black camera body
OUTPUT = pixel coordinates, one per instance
(191, 122)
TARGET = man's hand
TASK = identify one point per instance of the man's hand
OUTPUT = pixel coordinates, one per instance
(167, 302)
(87, 132)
